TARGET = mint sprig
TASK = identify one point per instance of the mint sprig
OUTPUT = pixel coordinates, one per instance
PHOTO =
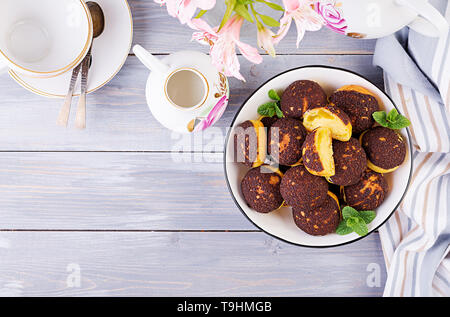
(274, 95)
(355, 221)
(269, 109)
(392, 120)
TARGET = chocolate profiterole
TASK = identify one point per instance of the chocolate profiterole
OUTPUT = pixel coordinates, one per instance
(301, 189)
(285, 141)
(358, 103)
(261, 188)
(349, 162)
(368, 193)
(320, 220)
(250, 143)
(300, 96)
(385, 149)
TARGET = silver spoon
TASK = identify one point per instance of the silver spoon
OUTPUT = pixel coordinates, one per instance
(98, 21)
(64, 113)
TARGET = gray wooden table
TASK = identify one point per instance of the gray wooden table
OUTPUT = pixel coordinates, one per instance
(107, 212)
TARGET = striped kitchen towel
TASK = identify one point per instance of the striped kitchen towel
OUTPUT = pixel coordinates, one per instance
(416, 239)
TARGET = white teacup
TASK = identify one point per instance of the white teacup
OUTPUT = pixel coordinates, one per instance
(43, 38)
(377, 18)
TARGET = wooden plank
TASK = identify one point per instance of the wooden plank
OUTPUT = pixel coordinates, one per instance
(116, 191)
(118, 118)
(156, 30)
(182, 264)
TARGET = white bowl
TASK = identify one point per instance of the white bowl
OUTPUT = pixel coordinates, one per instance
(280, 223)
(44, 38)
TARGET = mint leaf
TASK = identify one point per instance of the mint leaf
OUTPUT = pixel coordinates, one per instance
(380, 117)
(402, 122)
(353, 221)
(278, 112)
(270, 109)
(393, 120)
(267, 109)
(392, 116)
(358, 225)
(273, 95)
(348, 212)
(343, 229)
(367, 215)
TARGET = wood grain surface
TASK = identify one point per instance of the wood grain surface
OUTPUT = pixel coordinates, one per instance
(139, 210)
(182, 264)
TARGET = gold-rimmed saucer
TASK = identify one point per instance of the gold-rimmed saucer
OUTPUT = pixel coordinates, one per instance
(109, 53)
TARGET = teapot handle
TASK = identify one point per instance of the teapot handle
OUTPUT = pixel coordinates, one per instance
(149, 60)
(428, 13)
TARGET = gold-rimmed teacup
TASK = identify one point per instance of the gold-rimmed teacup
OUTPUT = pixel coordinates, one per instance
(43, 38)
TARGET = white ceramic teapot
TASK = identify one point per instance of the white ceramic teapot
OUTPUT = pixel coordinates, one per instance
(377, 18)
(185, 92)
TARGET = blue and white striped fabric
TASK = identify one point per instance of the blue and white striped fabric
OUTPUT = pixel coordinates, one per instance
(416, 240)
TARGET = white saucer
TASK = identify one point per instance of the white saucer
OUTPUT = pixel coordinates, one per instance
(183, 121)
(109, 52)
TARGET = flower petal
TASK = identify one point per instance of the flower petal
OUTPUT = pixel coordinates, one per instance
(205, 4)
(249, 52)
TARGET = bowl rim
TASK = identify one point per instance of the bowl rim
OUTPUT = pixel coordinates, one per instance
(227, 140)
(72, 64)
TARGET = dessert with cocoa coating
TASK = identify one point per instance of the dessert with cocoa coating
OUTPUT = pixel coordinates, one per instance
(358, 103)
(300, 96)
(250, 143)
(268, 121)
(301, 189)
(331, 117)
(320, 220)
(286, 137)
(349, 162)
(368, 193)
(385, 149)
(261, 188)
(317, 152)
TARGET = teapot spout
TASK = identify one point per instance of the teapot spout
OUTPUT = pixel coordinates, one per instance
(149, 60)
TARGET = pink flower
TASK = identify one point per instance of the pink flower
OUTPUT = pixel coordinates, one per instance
(223, 45)
(331, 15)
(265, 40)
(304, 16)
(184, 10)
(206, 35)
(213, 115)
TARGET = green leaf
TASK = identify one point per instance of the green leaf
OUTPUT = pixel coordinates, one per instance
(278, 112)
(273, 95)
(367, 215)
(392, 115)
(380, 117)
(243, 12)
(358, 225)
(393, 120)
(267, 109)
(343, 229)
(402, 122)
(200, 14)
(269, 21)
(348, 212)
(228, 12)
(245, 2)
(271, 5)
